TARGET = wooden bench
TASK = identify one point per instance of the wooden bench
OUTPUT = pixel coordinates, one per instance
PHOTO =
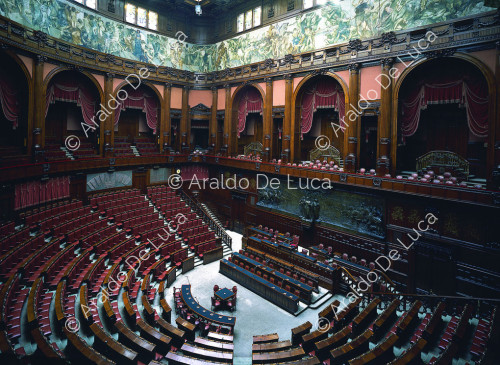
(220, 337)
(206, 354)
(412, 355)
(187, 327)
(273, 337)
(380, 354)
(323, 347)
(293, 354)
(366, 316)
(132, 340)
(215, 345)
(357, 346)
(271, 346)
(299, 331)
(149, 333)
(111, 347)
(177, 359)
(78, 349)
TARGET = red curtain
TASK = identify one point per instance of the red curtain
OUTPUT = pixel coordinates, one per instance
(37, 192)
(9, 99)
(322, 94)
(188, 173)
(467, 92)
(138, 99)
(70, 90)
(250, 102)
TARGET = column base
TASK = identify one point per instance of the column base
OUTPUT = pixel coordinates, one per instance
(383, 166)
(350, 163)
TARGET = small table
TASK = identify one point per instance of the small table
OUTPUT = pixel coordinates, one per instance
(224, 295)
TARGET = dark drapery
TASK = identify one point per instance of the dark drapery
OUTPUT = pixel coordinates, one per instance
(469, 93)
(37, 192)
(9, 99)
(321, 95)
(138, 99)
(250, 102)
(72, 91)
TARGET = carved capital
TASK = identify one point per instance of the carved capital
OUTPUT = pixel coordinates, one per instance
(227, 86)
(354, 68)
(288, 77)
(387, 63)
(168, 85)
(269, 81)
(110, 75)
(39, 59)
(214, 89)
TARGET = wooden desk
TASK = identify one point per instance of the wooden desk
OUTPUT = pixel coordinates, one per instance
(330, 310)
(131, 339)
(434, 321)
(413, 353)
(167, 311)
(220, 337)
(357, 346)
(149, 311)
(324, 347)
(273, 337)
(309, 361)
(151, 334)
(409, 318)
(380, 354)
(271, 346)
(108, 345)
(384, 320)
(176, 358)
(178, 336)
(205, 354)
(309, 339)
(280, 356)
(81, 349)
(299, 331)
(215, 345)
(187, 327)
(366, 316)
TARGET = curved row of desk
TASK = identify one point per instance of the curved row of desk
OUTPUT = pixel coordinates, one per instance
(202, 312)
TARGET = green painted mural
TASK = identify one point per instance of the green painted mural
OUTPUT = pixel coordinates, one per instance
(336, 22)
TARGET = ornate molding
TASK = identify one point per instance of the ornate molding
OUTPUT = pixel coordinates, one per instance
(387, 62)
(441, 53)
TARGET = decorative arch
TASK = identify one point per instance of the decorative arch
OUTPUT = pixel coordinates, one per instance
(149, 86)
(492, 92)
(295, 128)
(29, 94)
(235, 99)
(87, 74)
